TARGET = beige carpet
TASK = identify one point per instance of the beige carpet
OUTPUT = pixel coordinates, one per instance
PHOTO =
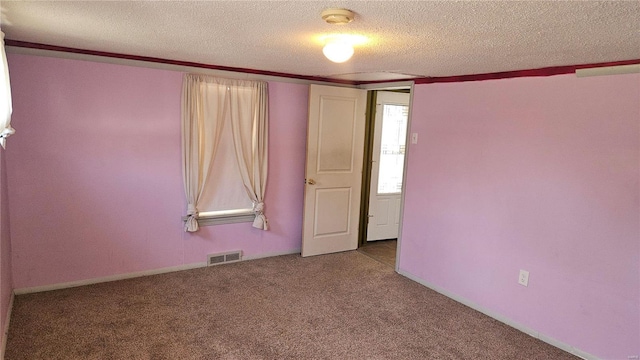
(340, 306)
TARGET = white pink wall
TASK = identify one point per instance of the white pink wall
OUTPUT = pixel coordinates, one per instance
(95, 173)
(540, 174)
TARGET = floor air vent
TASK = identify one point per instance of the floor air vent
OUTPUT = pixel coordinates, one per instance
(224, 258)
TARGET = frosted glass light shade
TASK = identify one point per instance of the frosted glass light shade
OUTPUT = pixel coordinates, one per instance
(338, 51)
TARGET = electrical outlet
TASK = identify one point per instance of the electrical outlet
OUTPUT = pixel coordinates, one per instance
(414, 138)
(523, 279)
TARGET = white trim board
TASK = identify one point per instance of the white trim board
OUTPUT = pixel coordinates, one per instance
(117, 277)
(267, 255)
(608, 70)
(503, 319)
(400, 84)
(5, 331)
(109, 278)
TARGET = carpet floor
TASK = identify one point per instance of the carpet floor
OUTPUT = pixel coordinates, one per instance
(338, 306)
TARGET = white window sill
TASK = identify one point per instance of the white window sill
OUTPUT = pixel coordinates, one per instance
(211, 218)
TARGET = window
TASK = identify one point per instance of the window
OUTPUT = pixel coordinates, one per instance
(224, 143)
(392, 148)
(224, 198)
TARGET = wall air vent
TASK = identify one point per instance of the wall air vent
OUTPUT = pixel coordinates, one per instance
(224, 258)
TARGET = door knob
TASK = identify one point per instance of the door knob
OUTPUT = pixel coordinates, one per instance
(311, 182)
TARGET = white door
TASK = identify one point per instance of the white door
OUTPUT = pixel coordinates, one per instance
(335, 145)
(389, 145)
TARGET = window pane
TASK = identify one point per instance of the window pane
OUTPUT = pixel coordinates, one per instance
(224, 190)
(392, 148)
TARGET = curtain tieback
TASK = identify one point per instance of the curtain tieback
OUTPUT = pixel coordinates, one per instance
(6, 132)
(191, 224)
(260, 222)
(258, 208)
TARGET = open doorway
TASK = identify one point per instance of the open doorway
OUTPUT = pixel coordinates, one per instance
(385, 148)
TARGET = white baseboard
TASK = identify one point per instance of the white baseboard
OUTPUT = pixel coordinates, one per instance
(266, 255)
(503, 319)
(71, 284)
(5, 331)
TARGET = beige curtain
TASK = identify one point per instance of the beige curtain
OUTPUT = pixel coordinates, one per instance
(5, 97)
(203, 108)
(249, 122)
(207, 104)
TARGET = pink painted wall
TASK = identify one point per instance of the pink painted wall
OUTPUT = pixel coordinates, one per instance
(95, 173)
(6, 282)
(540, 174)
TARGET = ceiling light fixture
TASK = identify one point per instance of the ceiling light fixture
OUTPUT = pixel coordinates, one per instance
(338, 49)
(337, 16)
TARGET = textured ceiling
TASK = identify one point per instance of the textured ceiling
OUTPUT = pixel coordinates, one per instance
(421, 38)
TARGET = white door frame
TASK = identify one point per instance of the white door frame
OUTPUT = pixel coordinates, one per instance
(389, 227)
(391, 86)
